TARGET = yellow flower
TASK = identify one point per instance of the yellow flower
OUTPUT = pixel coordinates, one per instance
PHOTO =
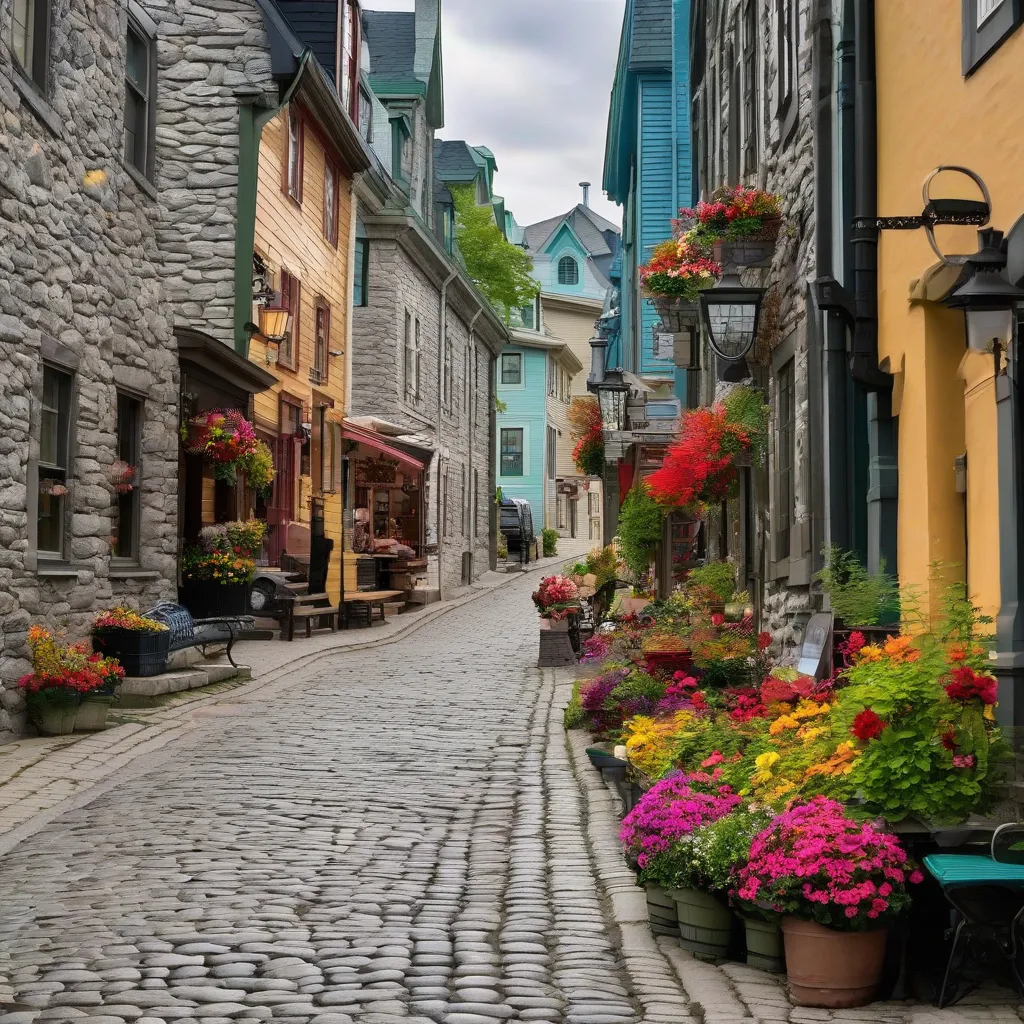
(869, 653)
(990, 712)
(781, 724)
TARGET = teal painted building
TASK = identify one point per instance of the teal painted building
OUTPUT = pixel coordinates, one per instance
(522, 387)
(648, 165)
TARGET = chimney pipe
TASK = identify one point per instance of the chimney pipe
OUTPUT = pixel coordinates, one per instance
(585, 185)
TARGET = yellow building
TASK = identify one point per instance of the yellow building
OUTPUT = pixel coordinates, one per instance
(305, 252)
(949, 92)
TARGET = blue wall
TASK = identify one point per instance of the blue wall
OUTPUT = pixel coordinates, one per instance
(527, 409)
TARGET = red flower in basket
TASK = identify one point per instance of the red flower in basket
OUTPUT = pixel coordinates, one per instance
(868, 726)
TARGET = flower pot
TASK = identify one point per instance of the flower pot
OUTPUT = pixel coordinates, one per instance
(661, 912)
(92, 713)
(555, 649)
(208, 599)
(555, 625)
(705, 923)
(677, 315)
(56, 719)
(745, 252)
(831, 969)
(140, 653)
(764, 945)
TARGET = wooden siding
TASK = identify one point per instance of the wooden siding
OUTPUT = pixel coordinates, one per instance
(656, 195)
(526, 409)
(291, 237)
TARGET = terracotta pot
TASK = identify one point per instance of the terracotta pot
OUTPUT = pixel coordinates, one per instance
(705, 923)
(830, 969)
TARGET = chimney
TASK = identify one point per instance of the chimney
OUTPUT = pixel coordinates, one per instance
(585, 185)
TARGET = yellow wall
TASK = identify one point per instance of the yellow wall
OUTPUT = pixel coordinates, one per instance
(290, 237)
(929, 115)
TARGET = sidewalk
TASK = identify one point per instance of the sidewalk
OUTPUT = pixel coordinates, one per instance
(40, 776)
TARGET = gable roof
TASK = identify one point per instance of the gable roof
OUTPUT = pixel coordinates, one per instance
(391, 36)
(455, 162)
(596, 235)
(315, 23)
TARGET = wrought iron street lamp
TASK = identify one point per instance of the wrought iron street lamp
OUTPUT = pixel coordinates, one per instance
(987, 298)
(274, 321)
(730, 313)
(611, 394)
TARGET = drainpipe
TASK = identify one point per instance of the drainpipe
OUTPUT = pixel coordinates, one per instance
(253, 116)
(882, 445)
(821, 362)
(471, 392)
(442, 330)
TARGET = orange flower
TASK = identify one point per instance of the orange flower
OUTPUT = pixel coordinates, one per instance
(840, 763)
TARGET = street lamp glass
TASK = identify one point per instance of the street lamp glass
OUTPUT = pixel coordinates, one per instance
(730, 319)
(986, 326)
(613, 407)
(274, 322)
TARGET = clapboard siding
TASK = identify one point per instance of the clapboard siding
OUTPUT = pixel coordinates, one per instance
(290, 237)
(684, 185)
(656, 193)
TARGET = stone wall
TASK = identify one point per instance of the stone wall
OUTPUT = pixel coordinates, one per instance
(785, 166)
(210, 54)
(79, 281)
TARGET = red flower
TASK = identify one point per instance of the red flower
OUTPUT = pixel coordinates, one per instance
(764, 640)
(718, 619)
(868, 726)
(699, 701)
(710, 762)
(965, 685)
(949, 739)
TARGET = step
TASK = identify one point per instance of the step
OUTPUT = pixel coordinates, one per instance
(138, 691)
(429, 595)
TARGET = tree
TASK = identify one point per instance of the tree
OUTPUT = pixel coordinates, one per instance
(499, 269)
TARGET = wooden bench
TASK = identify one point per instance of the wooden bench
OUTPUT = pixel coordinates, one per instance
(188, 632)
(371, 598)
(310, 607)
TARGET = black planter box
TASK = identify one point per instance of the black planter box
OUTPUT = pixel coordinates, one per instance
(140, 654)
(208, 599)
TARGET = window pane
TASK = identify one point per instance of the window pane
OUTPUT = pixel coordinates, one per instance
(359, 282)
(138, 61)
(784, 460)
(512, 368)
(125, 478)
(51, 515)
(986, 8)
(568, 271)
(294, 153)
(21, 32)
(512, 451)
(56, 416)
(329, 189)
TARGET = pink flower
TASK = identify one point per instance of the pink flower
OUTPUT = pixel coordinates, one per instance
(916, 878)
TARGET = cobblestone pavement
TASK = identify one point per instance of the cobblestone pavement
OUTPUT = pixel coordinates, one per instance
(391, 835)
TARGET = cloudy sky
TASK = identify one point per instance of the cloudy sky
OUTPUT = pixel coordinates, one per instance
(531, 79)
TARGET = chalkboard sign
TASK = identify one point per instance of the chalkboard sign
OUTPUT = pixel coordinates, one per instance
(816, 652)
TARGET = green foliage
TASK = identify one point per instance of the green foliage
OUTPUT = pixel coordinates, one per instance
(857, 597)
(500, 406)
(638, 686)
(602, 564)
(746, 407)
(549, 538)
(574, 716)
(717, 578)
(502, 546)
(640, 529)
(499, 269)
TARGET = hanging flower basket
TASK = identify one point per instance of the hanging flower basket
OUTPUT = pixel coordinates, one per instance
(122, 476)
(746, 252)
(677, 314)
(223, 437)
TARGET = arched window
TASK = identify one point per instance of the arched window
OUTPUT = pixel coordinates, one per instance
(568, 271)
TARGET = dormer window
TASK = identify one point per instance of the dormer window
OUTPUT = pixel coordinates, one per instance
(568, 271)
(349, 55)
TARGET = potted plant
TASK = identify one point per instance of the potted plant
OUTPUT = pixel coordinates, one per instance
(139, 644)
(861, 602)
(556, 599)
(740, 223)
(217, 572)
(657, 836)
(587, 431)
(61, 675)
(223, 437)
(549, 539)
(838, 883)
(96, 704)
(678, 271)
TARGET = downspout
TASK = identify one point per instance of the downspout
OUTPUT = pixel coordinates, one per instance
(252, 119)
(474, 498)
(442, 320)
(882, 471)
(827, 339)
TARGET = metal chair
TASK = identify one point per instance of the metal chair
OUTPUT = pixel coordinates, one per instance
(987, 896)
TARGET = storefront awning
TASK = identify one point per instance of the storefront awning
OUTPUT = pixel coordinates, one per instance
(377, 441)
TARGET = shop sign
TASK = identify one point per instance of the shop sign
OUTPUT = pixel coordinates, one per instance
(376, 472)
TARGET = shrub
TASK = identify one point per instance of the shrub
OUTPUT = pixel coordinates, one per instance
(549, 539)
(640, 529)
(857, 597)
(717, 578)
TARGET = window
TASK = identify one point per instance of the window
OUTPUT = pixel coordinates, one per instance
(734, 156)
(526, 315)
(750, 89)
(349, 67)
(512, 451)
(293, 159)
(288, 350)
(552, 452)
(139, 95)
(568, 271)
(331, 203)
(481, 191)
(784, 459)
(30, 39)
(322, 343)
(476, 383)
(360, 286)
(412, 356)
(787, 29)
(986, 24)
(552, 373)
(54, 462)
(125, 478)
(462, 502)
(475, 500)
(512, 368)
(365, 116)
(445, 518)
(448, 377)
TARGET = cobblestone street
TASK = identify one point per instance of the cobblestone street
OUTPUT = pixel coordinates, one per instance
(390, 835)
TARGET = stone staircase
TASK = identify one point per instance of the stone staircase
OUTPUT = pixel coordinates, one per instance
(186, 670)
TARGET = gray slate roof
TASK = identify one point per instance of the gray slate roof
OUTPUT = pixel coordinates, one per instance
(454, 162)
(391, 36)
(652, 35)
(596, 233)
